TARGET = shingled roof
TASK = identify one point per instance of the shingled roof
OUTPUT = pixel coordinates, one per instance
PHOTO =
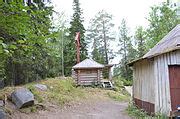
(169, 43)
(88, 64)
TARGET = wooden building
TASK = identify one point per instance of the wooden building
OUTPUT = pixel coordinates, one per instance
(87, 72)
(156, 76)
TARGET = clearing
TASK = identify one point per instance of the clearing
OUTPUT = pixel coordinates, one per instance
(63, 100)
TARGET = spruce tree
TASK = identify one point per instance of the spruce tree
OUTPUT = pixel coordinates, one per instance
(126, 50)
(70, 48)
(140, 39)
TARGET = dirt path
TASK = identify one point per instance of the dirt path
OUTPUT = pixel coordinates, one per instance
(106, 109)
(95, 105)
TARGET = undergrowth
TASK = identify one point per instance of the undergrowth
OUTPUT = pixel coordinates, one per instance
(137, 113)
(119, 93)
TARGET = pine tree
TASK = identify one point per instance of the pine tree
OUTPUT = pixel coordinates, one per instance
(100, 33)
(70, 48)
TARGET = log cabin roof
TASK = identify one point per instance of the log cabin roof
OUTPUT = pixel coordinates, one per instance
(170, 42)
(88, 64)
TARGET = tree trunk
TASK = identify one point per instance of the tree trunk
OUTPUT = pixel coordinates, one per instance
(125, 58)
(105, 44)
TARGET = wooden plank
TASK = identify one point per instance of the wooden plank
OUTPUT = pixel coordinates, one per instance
(157, 101)
(163, 86)
(178, 56)
(165, 79)
(160, 83)
(168, 85)
(173, 57)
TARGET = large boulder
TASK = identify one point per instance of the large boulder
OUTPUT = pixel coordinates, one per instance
(41, 87)
(2, 114)
(22, 98)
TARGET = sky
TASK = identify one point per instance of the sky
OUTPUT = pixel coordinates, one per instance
(135, 12)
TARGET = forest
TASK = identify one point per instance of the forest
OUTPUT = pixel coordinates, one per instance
(33, 47)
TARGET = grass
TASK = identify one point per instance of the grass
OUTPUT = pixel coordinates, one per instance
(119, 93)
(137, 113)
(32, 109)
(117, 96)
(59, 91)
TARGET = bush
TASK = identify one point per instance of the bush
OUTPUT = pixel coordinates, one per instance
(118, 84)
(133, 111)
(122, 82)
(127, 82)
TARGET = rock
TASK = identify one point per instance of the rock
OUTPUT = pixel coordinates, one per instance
(22, 98)
(2, 114)
(1, 104)
(41, 87)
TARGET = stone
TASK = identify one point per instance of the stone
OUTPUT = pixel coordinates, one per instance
(1, 104)
(22, 97)
(41, 87)
(2, 114)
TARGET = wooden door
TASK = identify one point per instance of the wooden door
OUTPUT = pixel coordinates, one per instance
(174, 80)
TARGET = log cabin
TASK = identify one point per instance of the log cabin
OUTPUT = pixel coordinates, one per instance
(90, 72)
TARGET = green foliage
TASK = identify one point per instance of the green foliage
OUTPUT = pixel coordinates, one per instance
(140, 39)
(118, 84)
(25, 33)
(127, 82)
(135, 112)
(121, 81)
(59, 91)
(70, 48)
(36, 93)
(119, 93)
(162, 19)
(127, 51)
(100, 35)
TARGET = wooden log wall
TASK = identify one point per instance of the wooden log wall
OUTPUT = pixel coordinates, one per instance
(88, 76)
